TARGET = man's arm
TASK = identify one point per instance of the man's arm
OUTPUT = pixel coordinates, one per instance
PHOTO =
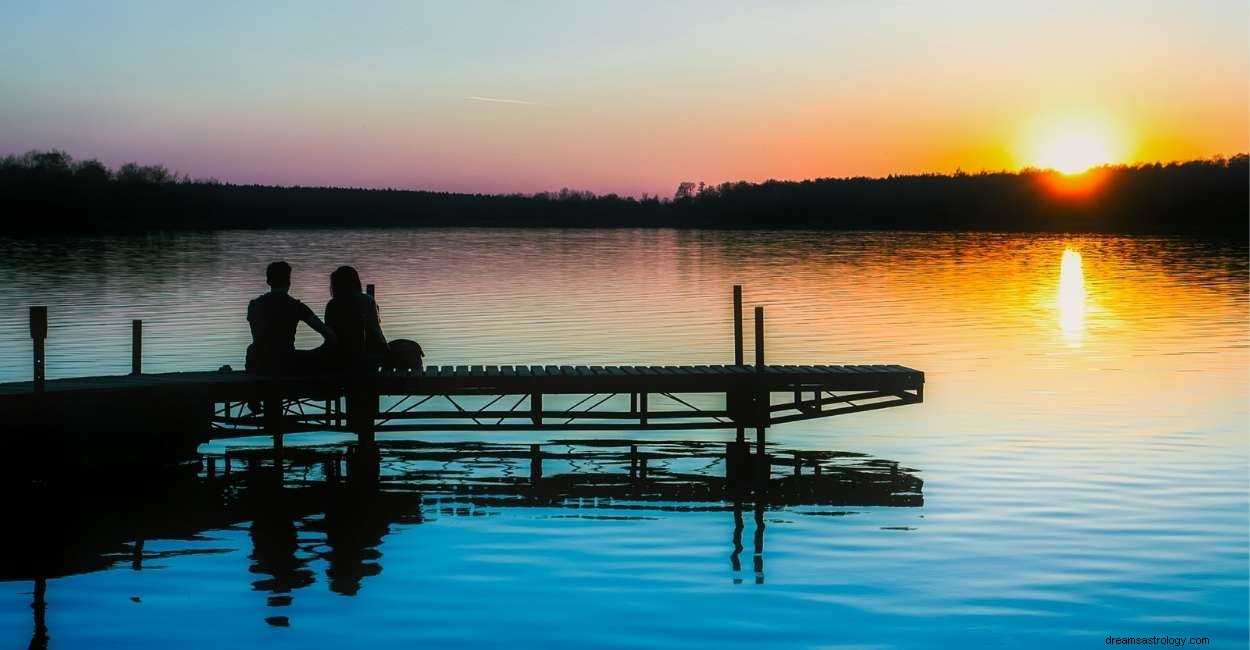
(310, 319)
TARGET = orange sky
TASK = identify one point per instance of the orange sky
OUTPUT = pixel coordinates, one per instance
(630, 98)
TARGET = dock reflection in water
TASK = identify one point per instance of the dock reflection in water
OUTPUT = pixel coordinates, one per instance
(337, 504)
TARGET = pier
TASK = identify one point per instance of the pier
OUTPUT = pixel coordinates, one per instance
(167, 415)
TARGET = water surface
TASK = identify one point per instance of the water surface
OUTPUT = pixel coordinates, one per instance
(1082, 446)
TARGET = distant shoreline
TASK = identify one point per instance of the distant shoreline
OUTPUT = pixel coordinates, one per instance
(50, 194)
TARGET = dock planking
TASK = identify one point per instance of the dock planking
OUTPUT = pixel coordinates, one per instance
(449, 379)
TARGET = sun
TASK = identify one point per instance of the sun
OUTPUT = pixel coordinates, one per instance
(1073, 145)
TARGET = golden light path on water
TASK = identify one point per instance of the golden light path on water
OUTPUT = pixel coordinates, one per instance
(1071, 296)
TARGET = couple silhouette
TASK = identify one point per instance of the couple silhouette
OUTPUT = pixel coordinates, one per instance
(352, 330)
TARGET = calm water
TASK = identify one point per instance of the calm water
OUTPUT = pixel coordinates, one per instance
(1083, 444)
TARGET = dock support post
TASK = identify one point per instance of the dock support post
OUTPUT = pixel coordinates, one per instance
(633, 462)
(536, 408)
(274, 420)
(737, 324)
(759, 337)
(642, 408)
(536, 464)
(136, 347)
(38, 332)
(362, 410)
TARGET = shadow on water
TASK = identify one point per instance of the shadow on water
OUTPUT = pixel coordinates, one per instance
(348, 498)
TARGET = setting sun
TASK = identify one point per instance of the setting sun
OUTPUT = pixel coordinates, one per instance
(1074, 145)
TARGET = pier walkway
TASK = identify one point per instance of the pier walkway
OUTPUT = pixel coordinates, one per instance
(186, 408)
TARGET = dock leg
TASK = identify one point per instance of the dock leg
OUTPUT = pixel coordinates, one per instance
(642, 408)
(274, 420)
(136, 347)
(737, 324)
(536, 408)
(38, 332)
(633, 462)
(362, 410)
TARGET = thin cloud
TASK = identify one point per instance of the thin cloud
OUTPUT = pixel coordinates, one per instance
(497, 100)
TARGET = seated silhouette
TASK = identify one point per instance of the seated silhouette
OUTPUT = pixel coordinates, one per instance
(356, 321)
(273, 318)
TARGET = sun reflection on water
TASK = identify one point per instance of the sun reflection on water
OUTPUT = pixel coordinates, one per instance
(1071, 296)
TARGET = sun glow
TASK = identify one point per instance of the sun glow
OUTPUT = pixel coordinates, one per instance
(1073, 145)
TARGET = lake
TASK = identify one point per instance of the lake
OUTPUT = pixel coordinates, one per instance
(1083, 444)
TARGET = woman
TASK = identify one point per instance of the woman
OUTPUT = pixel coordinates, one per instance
(354, 318)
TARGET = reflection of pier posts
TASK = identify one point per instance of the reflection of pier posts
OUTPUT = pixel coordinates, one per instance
(536, 465)
(362, 411)
(758, 558)
(735, 558)
(39, 639)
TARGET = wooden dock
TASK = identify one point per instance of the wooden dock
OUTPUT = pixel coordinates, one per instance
(173, 412)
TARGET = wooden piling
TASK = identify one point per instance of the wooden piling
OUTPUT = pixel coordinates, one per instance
(38, 333)
(273, 419)
(536, 408)
(136, 347)
(737, 324)
(759, 337)
(633, 462)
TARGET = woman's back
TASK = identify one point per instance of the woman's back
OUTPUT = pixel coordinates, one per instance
(357, 322)
(355, 319)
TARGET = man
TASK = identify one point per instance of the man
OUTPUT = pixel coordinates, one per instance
(273, 318)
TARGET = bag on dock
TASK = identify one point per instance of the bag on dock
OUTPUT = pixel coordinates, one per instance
(404, 355)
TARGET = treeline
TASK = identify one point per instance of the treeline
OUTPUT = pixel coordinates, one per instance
(51, 193)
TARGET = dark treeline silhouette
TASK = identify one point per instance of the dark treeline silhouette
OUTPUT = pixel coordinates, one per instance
(51, 193)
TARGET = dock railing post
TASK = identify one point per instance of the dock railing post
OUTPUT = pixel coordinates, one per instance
(759, 337)
(136, 347)
(737, 324)
(38, 332)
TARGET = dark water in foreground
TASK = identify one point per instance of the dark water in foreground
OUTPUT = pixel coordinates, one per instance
(1079, 468)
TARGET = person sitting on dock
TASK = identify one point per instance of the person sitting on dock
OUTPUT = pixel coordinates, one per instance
(274, 318)
(356, 321)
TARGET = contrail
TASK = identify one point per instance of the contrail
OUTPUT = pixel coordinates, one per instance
(502, 101)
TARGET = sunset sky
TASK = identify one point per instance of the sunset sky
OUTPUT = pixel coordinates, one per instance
(629, 97)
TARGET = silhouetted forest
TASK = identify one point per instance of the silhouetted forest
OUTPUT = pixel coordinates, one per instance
(48, 192)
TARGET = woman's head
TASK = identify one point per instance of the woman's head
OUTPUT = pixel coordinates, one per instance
(344, 282)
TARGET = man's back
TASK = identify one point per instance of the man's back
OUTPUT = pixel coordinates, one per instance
(274, 317)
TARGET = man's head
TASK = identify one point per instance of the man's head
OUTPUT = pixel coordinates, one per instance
(278, 275)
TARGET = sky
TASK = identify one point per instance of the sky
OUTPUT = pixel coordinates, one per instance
(628, 97)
